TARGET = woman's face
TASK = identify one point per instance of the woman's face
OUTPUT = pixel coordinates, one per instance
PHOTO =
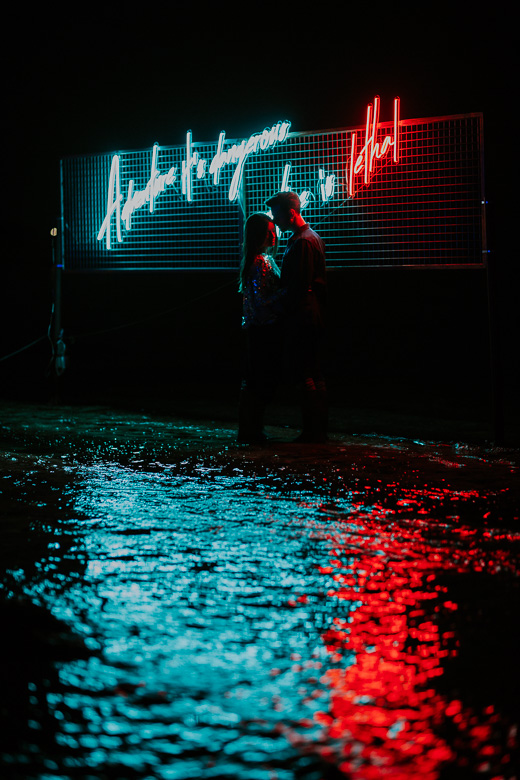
(270, 238)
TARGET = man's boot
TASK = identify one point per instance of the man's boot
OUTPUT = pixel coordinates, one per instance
(313, 414)
(322, 403)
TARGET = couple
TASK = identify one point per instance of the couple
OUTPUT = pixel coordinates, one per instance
(283, 318)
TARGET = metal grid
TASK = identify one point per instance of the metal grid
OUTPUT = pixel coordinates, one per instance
(177, 235)
(425, 210)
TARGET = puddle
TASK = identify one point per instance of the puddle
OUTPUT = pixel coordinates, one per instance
(184, 610)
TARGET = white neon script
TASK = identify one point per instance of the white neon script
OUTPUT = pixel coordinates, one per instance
(114, 202)
(135, 198)
(327, 185)
(305, 196)
(359, 169)
(362, 161)
(236, 154)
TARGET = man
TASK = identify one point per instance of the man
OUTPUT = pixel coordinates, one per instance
(304, 285)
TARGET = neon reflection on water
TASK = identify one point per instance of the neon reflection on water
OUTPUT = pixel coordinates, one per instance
(386, 718)
(210, 594)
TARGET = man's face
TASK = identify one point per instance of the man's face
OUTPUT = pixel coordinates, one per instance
(282, 217)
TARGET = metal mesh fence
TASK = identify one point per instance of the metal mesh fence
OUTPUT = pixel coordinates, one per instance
(425, 210)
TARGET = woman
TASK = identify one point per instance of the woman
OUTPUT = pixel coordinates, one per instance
(259, 285)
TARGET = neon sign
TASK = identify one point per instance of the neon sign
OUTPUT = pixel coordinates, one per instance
(358, 171)
(157, 183)
(362, 162)
(382, 193)
(237, 154)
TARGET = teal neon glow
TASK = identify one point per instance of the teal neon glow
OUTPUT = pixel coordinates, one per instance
(191, 161)
(305, 195)
(113, 203)
(153, 175)
(361, 162)
(216, 165)
(238, 153)
(285, 178)
(156, 184)
(133, 200)
(327, 185)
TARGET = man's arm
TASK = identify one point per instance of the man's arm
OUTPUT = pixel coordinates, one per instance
(296, 276)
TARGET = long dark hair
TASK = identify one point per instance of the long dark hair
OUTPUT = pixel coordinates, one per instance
(255, 235)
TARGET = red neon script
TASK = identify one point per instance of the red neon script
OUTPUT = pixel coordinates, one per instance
(362, 162)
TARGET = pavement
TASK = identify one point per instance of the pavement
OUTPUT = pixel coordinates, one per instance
(176, 605)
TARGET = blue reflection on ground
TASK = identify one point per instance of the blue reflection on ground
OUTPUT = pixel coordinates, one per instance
(201, 588)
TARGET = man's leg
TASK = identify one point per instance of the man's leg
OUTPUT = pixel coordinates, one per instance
(313, 412)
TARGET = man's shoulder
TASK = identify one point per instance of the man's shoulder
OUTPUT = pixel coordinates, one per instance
(305, 233)
(310, 235)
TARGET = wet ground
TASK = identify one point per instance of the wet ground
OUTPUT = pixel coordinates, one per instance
(176, 606)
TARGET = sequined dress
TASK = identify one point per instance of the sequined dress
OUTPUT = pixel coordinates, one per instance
(261, 296)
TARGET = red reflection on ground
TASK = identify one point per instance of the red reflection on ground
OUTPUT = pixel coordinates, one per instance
(385, 717)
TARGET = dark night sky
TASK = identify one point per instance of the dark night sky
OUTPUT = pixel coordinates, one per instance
(107, 77)
(112, 77)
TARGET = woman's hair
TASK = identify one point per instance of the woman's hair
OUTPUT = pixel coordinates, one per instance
(255, 235)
